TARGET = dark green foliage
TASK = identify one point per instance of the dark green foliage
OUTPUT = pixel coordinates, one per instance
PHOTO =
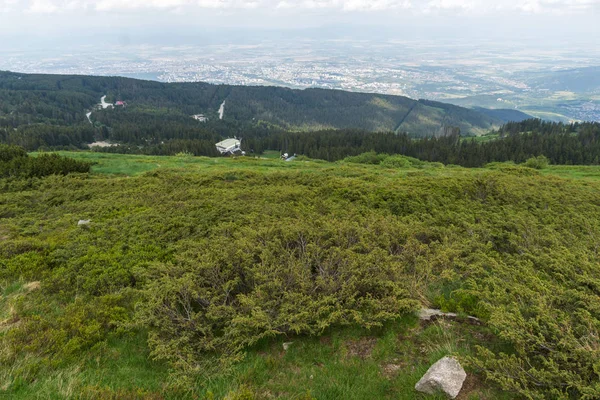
(48, 112)
(561, 144)
(506, 115)
(9, 153)
(15, 163)
(64, 100)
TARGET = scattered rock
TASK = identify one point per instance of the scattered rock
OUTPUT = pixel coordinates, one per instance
(446, 375)
(427, 314)
(84, 222)
(287, 345)
(430, 314)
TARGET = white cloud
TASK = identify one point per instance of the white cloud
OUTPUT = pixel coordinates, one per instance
(416, 6)
(107, 5)
(43, 6)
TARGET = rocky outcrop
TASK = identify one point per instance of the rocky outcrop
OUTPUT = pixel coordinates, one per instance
(446, 375)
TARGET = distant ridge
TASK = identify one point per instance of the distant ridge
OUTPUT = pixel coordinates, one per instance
(62, 99)
(504, 114)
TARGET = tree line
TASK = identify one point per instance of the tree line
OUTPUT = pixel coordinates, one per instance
(16, 163)
(577, 143)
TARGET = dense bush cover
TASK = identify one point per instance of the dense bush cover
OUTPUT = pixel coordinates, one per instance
(245, 284)
(237, 252)
(15, 163)
(390, 161)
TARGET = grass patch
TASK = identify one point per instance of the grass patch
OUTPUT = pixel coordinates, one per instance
(271, 154)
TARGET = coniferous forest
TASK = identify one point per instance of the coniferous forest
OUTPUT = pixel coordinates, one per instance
(46, 112)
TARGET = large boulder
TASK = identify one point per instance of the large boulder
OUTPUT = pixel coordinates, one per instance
(446, 375)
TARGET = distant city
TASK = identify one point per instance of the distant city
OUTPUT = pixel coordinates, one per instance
(554, 85)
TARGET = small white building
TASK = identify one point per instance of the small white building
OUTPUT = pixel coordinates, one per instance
(229, 146)
(200, 117)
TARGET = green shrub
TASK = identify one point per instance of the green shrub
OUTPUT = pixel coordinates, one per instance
(8, 153)
(370, 157)
(15, 163)
(539, 162)
(61, 335)
(433, 165)
(397, 161)
(268, 281)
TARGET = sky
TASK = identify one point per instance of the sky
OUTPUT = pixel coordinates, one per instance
(63, 21)
(416, 6)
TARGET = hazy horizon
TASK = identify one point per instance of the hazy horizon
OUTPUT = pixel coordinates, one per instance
(466, 52)
(70, 22)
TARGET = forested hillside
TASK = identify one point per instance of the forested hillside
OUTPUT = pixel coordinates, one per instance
(157, 112)
(49, 112)
(562, 144)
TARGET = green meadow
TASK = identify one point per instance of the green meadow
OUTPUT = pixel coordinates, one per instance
(132, 165)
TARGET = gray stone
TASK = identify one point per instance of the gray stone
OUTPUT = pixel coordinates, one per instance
(426, 314)
(446, 375)
(430, 314)
(287, 345)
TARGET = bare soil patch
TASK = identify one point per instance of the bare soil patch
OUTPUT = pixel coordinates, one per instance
(361, 348)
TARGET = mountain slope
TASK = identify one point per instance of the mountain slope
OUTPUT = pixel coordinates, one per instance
(505, 115)
(64, 100)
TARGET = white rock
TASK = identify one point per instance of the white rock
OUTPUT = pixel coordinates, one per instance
(425, 314)
(428, 314)
(446, 375)
(287, 345)
(83, 222)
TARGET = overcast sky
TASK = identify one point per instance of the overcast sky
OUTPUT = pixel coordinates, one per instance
(463, 18)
